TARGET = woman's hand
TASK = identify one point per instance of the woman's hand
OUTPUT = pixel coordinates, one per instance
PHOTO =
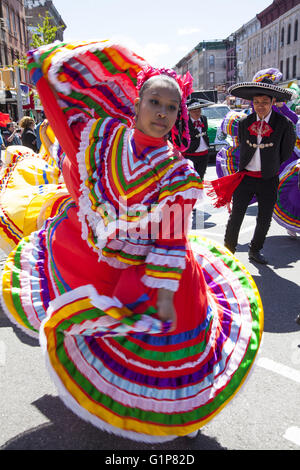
(43, 127)
(45, 139)
(165, 307)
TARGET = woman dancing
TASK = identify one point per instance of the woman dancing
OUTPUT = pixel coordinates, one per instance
(147, 334)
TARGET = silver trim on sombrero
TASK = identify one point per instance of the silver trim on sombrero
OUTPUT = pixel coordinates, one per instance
(289, 94)
(199, 104)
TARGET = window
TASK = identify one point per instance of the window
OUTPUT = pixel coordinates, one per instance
(269, 44)
(211, 77)
(296, 31)
(294, 66)
(287, 68)
(215, 111)
(14, 29)
(8, 24)
(19, 28)
(264, 46)
(5, 54)
(281, 66)
(282, 37)
(275, 41)
(289, 34)
(211, 60)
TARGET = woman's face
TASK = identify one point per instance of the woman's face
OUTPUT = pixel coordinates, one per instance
(157, 110)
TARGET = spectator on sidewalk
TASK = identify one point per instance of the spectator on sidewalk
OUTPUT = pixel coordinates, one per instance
(11, 135)
(27, 123)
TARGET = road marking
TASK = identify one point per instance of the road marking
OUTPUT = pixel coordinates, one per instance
(281, 369)
(245, 230)
(293, 434)
(2, 353)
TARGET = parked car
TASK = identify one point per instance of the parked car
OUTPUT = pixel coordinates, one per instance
(215, 114)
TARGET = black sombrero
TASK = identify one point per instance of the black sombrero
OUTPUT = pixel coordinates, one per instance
(195, 103)
(247, 90)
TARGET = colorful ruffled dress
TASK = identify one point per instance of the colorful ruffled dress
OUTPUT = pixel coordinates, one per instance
(87, 281)
(32, 190)
(287, 207)
(228, 158)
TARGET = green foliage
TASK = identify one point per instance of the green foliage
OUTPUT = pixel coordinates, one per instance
(45, 33)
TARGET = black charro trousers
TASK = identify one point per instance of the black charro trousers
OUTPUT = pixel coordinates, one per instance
(200, 163)
(265, 191)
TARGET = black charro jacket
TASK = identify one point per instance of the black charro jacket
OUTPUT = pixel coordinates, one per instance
(194, 134)
(282, 142)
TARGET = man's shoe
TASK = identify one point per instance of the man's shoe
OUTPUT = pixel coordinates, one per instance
(257, 257)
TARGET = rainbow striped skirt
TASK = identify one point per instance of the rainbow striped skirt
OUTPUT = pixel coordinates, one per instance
(114, 362)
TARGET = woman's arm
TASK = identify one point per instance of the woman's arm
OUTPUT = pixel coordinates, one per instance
(43, 132)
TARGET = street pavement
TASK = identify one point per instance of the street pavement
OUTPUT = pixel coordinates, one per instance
(264, 415)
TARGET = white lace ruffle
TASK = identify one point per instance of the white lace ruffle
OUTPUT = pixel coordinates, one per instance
(158, 283)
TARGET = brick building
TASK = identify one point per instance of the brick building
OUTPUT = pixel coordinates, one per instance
(18, 19)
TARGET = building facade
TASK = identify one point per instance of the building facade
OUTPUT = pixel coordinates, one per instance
(247, 45)
(271, 39)
(13, 47)
(206, 63)
(18, 19)
(280, 37)
(13, 34)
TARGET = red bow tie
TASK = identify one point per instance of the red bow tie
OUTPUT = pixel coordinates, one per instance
(198, 123)
(261, 128)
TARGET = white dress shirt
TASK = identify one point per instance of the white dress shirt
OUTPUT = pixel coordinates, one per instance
(255, 162)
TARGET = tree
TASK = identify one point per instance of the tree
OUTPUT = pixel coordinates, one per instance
(44, 33)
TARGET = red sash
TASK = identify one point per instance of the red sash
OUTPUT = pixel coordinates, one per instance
(222, 189)
(195, 154)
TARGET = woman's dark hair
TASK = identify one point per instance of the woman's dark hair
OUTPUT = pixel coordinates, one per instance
(161, 77)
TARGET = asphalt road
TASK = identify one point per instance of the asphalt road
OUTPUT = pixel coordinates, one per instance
(265, 414)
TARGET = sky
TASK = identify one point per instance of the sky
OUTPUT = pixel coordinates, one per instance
(161, 31)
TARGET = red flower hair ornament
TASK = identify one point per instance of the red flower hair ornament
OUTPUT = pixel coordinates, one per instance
(180, 131)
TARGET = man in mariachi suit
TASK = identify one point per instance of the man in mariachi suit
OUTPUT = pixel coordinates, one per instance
(266, 139)
(198, 149)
